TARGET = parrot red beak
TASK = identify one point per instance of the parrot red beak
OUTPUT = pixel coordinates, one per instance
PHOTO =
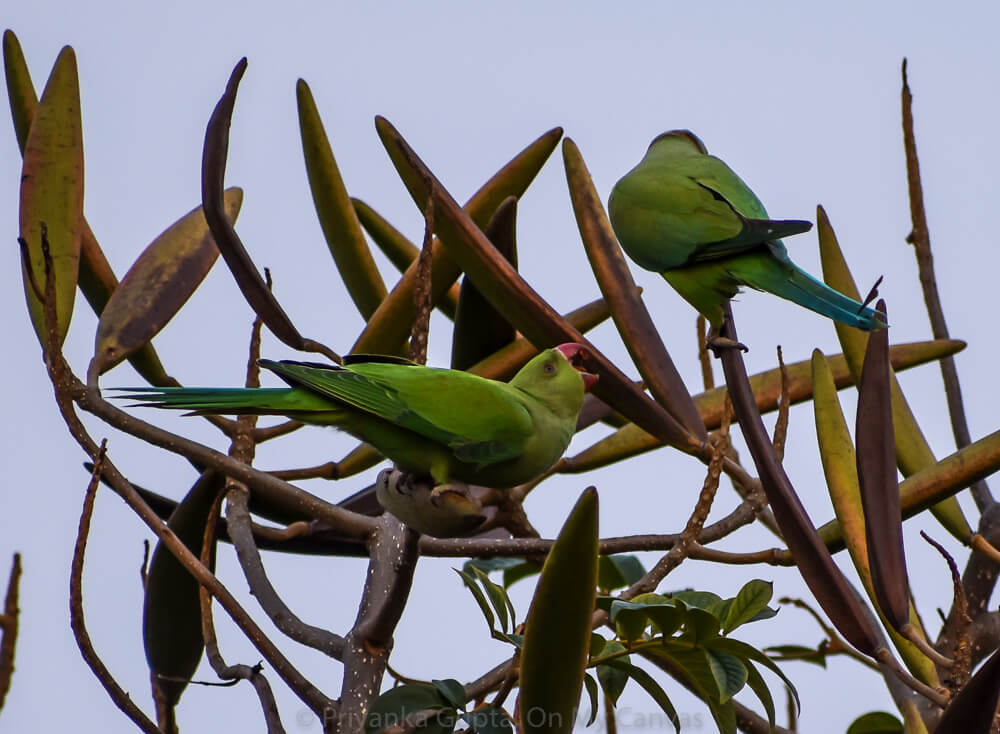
(575, 354)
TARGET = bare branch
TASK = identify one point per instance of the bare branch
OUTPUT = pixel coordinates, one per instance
(704, 359)
(394, 553)
(8, 625)
(920, 238)
(676, 555)
(227, 672)
(241, 533)
(422, 291)
(118, 695)
(781, 427)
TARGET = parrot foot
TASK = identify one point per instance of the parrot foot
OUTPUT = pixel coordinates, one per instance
(444, 510)
(716, 343)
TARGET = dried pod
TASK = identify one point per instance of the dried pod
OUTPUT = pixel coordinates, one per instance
(390, 325)
(506, 289)
(913, 453)
(629, 312)
(480, 329)
(815, 563)
(333, 207)
(52, 194)
(171, 612)
(877, 479)
(157, 285)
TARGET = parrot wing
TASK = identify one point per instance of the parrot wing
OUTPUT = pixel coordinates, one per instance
(482, 421)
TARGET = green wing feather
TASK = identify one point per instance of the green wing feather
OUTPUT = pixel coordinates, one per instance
(481, 420)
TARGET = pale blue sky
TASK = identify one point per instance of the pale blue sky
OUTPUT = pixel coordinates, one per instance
(802, 102)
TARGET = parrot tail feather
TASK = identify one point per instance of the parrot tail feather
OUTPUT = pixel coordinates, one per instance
(799, 287)
(217, 400)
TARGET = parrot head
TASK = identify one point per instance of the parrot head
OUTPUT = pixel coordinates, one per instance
(675, 139)
(575, 354)
(557, 378)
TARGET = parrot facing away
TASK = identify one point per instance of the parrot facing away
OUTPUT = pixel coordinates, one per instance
(446, 425)
(685, 214)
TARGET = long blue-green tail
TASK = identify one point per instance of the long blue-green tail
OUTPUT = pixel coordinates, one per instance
(788, 281)
(236, 401)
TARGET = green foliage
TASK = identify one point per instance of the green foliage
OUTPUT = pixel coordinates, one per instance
(875, 722)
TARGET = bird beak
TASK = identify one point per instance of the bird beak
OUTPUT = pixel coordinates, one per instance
(575, 354)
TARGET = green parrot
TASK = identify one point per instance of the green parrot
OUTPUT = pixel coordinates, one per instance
(683, 213)
(446, 426)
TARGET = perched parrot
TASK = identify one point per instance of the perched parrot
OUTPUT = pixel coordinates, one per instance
(683, 213)
(443, 425)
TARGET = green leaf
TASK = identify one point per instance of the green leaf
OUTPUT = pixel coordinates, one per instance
(498, 598)
(634, 616)
(694, 662)
(393, 706)
(698, 599)
(477, 593)
(618, 571)
(612, 680)
(489, 565)
(453, 692)
(591, 685)
(700, 626)
(729, 672)
(557, 631)
(171, 610)
(488, 720)
(751, 600)
(521, 571)
(597, 644)
(651, 687)
(756, 682)
(743, 650)
(876, 722)
(800, 652)
(630, 620)
(52, 194)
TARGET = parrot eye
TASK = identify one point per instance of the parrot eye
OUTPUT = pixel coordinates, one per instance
(549, 368)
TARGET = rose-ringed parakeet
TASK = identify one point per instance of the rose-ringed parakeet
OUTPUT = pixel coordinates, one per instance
(446, 425)
(683, 213)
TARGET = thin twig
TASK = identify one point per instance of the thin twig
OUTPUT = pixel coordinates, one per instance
(781, 426)
(835, 644)
(329, 470)
(920, 238)
(959, 673)
(118, 695)
(241, 533)
(8, 625)
(69, 388)
(226, 672)
(704, 358)
(262, 483)
(676, 555)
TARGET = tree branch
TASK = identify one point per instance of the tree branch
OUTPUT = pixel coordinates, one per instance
(8, 625)
(394, 552)
(920, 238)
(118, 695)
